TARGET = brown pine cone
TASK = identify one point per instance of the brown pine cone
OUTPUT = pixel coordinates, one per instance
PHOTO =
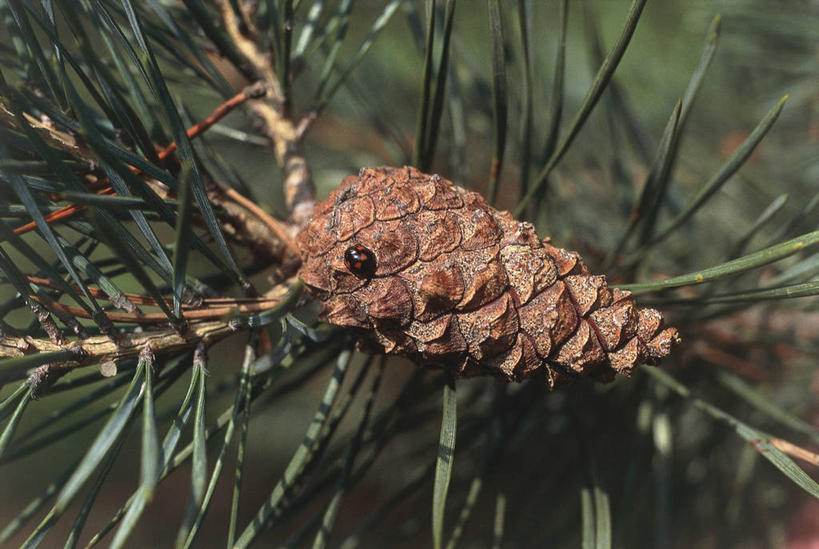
(422, 268)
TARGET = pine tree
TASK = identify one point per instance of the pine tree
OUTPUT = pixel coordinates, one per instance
(163, 375)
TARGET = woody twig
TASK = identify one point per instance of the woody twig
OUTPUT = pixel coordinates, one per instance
(299, 191)
(207, 325)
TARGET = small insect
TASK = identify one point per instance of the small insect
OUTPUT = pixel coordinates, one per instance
(360, 261)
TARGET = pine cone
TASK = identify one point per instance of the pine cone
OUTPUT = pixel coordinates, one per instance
(422, 268)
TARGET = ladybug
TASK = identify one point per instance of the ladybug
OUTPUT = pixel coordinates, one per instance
(360, 261)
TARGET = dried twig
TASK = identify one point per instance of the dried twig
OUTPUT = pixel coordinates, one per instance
(163, 341)
(796, 451)
(299, 191)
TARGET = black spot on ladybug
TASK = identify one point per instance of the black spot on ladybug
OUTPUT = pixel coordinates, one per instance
(360, 261)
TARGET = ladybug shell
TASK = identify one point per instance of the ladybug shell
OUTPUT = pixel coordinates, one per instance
(422, 268)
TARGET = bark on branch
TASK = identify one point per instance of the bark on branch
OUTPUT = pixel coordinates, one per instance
(105, 350)
(299, 191)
